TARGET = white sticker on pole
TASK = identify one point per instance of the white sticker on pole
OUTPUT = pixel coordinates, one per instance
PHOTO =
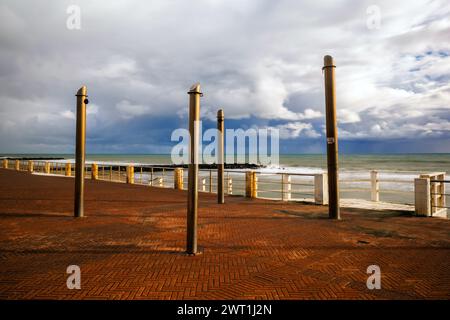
(330, 140)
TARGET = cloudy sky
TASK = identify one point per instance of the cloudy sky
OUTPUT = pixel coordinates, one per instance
(259, 60)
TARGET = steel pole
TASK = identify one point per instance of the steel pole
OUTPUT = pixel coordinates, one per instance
(80, 151)
(332, 139)
(220, 158)
(194, 121)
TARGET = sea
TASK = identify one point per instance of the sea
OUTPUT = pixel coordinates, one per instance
(398, 170)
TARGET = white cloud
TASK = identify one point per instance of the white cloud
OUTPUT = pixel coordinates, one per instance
(68, 114)
(116, 67)
(297, 129)
(128, 110)
(348, 116)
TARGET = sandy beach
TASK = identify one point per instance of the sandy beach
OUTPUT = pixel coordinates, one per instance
(131, 246)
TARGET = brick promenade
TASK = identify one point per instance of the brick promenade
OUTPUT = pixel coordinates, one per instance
(131, 247)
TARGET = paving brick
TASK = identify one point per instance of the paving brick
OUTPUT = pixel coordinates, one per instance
(131, 246)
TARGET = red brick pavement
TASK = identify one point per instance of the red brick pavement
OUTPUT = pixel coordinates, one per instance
(131, 246)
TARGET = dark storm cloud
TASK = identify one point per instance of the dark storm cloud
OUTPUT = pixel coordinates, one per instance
(259, 60)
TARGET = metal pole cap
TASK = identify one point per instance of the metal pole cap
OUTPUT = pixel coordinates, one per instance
(82, 92)
(195, 89)
(220, 115)
(328, 62)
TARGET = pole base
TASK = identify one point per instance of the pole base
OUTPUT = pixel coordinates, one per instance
(199, 252)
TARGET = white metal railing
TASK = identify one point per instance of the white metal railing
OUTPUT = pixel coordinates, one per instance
(285, 186)
(154, 176)
(374, 185)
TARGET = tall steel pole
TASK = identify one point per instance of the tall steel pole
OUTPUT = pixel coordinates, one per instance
(194, 122)
(220, 158)
(80, 151)
(332, 139)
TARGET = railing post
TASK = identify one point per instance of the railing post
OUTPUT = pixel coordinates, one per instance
(375, 186)
(178, 178)
(248, 184)
(332, 138)
(230, 185)
(286, 187)
(203, 184)
(17, 165)
(47, 167)
(192, 208)
(441, 192)
(30, 166)
(422, 196)
(210, 181)
(5, 163)
(94, 171)
(68, 169)
(220, 158)
(130, 174)
(321, 188)
(251, 184)
(255, 186)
